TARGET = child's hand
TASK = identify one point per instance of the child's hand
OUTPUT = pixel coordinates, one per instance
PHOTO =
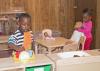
(21, 49)
(78, 25)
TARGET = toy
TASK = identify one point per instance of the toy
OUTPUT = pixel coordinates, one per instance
(47, 34)
(24, 56)
(27, 40)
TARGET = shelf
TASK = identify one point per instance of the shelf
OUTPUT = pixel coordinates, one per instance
(4, 19)
(3, 39)
(13, 12)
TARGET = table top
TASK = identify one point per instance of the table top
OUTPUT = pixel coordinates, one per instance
(95, 57)
(56, 42)
(8, 63)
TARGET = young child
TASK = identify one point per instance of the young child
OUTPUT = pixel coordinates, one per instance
(47, 34)
(23, 35)
(86, 28)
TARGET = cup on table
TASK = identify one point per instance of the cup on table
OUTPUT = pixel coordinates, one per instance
(30, 52)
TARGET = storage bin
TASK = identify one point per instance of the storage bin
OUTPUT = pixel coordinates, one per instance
(39, 68)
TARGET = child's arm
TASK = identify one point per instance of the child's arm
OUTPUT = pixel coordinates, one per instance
(12, 43)
(86, 28)
(14, 47)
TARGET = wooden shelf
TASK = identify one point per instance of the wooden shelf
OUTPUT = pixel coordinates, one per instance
(13, 12)
(4, 39)
(4, 19)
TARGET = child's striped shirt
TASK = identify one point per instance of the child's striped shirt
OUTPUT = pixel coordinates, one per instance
(18, 38)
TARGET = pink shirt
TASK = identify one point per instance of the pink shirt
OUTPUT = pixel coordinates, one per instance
(86, 29)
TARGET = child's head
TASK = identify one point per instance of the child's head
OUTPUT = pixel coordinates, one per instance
(24, 22)
(46, 34)
(78, 25)
(87, 15)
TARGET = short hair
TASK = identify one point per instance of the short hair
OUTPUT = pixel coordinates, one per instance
(87, 11)
(24, 15)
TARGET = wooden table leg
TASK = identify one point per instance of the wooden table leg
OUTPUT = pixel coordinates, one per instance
(49, 50)
(36, 48)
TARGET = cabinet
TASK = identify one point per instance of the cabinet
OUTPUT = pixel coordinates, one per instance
(41, 63)
(39, 68)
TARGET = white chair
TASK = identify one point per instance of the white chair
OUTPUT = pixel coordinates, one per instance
(82, 42)
(78, 39)
(76, 36)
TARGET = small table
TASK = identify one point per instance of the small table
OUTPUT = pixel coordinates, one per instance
(49, 44)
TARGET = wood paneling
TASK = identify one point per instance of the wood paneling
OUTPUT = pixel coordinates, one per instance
(44, 14)
(83, 4)
(6, 5)
(54, 14)
(57, 15)
(66, 17)
(98, 26)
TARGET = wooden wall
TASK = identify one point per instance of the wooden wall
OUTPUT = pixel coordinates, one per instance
(57, 15)
(54, 14)
(6, 5)
(44, 14)
(66, 17)
(98, 26)
(83, 4)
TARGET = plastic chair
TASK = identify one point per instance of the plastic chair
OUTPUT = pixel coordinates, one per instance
(82, 42)
(78, 39)
(56, 33)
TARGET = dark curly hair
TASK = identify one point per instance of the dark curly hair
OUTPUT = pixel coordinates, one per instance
(24, 15)
(88, 11)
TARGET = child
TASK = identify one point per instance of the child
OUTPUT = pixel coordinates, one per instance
(18, 40)
(47, 34)
(86, 28)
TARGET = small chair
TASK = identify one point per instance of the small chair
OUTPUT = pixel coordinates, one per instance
(56, 33)
(82, 42)
(37, 35)
(78, 39)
